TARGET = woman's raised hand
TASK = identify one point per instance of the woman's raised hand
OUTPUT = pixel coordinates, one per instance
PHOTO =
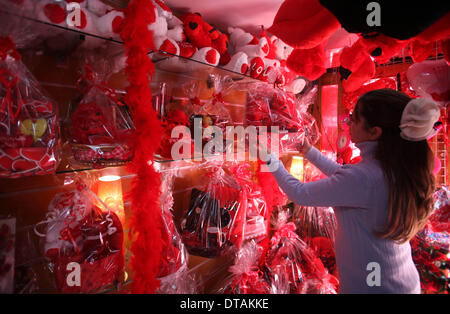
(303, 146)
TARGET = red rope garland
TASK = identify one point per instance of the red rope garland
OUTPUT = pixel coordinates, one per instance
(146, 221)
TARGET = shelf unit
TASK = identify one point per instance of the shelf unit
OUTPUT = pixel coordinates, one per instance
(53, 54)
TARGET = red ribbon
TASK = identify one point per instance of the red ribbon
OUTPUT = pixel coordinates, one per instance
(10, 81)
(287, 231)
(218, 98)
(103, 86)
(196, 101)
(7, 48)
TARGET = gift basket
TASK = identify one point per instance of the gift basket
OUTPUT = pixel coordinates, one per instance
(283, 115)
(430, 251)
(29, 128)
(173, 274)
(257, 213)
(213, 115)
(292, 266)
(268, 106)
(215, 219)
(83, 242)
(246, 277)
(101, 127)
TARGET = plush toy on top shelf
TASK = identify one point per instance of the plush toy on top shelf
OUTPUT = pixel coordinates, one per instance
(202, 35)
(95, 18)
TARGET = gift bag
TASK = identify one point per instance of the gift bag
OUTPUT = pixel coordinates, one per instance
(29, 128)
(83, 242)
(101, 126)
(215, 219)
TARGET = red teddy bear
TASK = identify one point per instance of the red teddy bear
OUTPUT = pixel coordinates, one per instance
(202, 34)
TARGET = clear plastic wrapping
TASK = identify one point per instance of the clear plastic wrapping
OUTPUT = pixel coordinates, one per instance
(215, 219)
(292, 265)
(83, 242)
(29, 128)
(101, 127)
(270, 106)
(246, 277)
(174, 274)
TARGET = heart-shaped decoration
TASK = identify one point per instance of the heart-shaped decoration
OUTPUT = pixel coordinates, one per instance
(33, 153)
(12, 153)
(5, 163)
(35, 129)
(23, 165)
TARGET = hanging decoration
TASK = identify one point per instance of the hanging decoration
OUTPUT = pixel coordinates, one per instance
(144, 195)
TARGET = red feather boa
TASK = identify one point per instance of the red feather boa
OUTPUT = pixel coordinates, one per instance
(146, 221)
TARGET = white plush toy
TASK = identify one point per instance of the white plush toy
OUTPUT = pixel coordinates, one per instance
(166, 38)
(238, 63)
(238, 38)
(50, 12)
(97, 7)
(25, 7)
(261, 49)
(66, 209)
(110, 24)
(282, 50)
(207, 55)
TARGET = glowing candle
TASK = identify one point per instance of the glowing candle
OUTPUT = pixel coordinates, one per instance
(297, 167)
(110, 192)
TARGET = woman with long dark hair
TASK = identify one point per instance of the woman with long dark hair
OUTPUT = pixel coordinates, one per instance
(381, 202)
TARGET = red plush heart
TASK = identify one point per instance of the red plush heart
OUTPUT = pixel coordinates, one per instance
(211, 57)
(33, 153)
(168, 46)
(117, 24)
(55, 13)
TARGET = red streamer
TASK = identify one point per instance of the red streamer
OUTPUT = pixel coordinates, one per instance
(146, 220)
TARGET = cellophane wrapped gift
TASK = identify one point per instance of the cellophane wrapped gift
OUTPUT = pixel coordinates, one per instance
(257, 213)
(174, 275)
(268, 106)
(101, 127)
(317, 227)
(29, 128)
(214, 114)
(430, 249)
(83, 242)
(215, 219)
(292, 266)
(246, 277)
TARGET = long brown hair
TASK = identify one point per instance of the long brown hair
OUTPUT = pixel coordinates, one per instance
(407, 165)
